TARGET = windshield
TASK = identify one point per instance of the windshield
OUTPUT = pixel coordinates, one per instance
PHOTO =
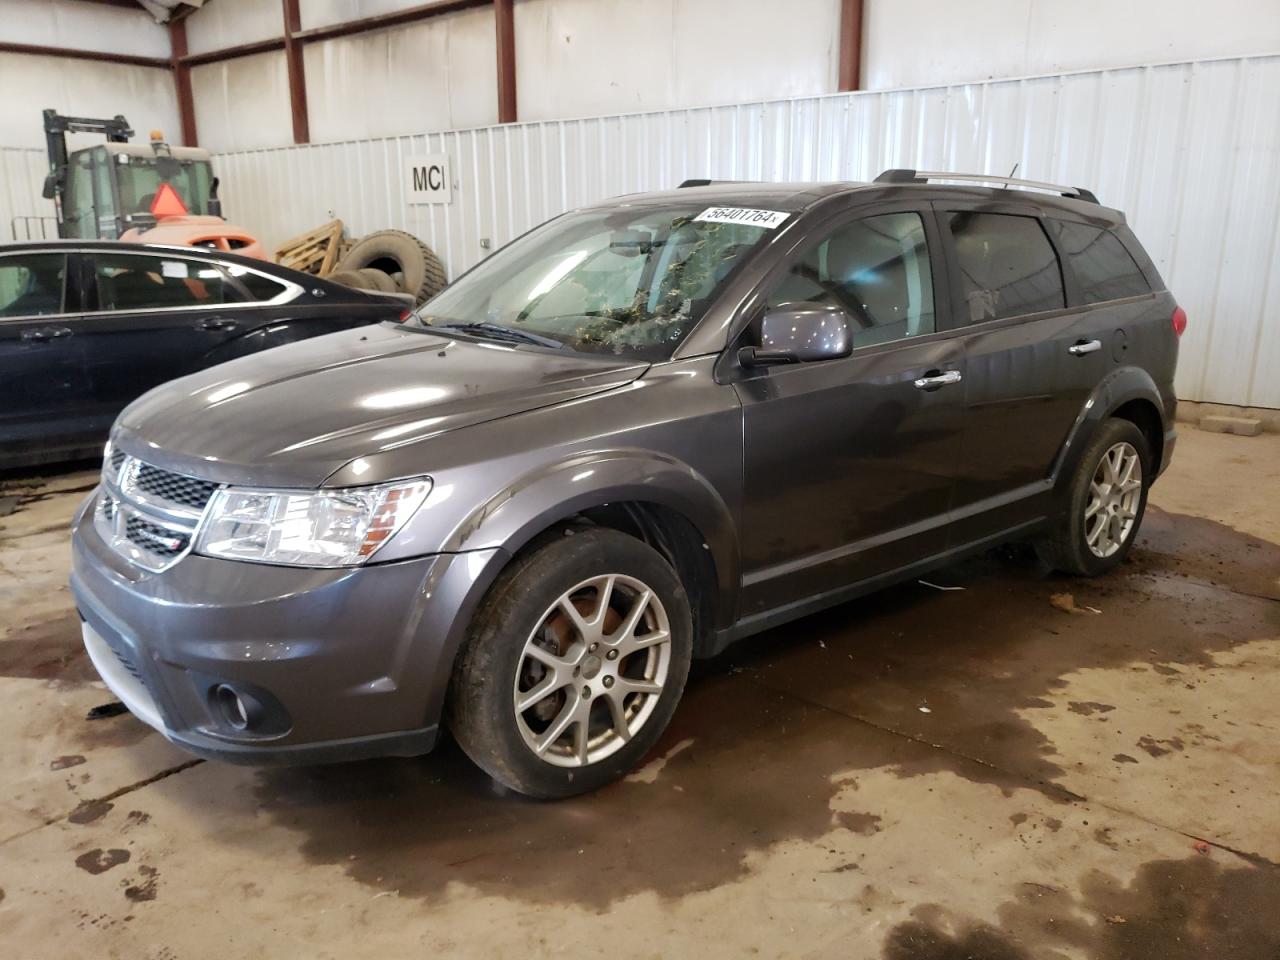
(630, 281)
(140, 178)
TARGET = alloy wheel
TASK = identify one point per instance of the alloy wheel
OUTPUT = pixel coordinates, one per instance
(1114, 496)
(592, 671)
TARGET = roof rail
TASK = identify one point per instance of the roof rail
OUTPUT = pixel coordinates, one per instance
(698, 182)
(924, 176)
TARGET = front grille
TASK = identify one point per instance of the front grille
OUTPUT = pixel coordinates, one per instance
(173, 487)
(155, 539)
(147, 514)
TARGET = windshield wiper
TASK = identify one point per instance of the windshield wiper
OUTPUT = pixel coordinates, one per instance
(496, 331)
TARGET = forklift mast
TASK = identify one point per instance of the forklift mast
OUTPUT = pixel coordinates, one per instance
(56, 128)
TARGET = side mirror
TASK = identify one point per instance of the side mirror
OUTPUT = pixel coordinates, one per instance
(800, 333)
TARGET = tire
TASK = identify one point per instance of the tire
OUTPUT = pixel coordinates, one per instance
(377, 280)
(349, 278)
(522, 612)
(1069, 547)
(394, 251)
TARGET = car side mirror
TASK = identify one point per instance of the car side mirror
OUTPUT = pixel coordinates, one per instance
(800, 333)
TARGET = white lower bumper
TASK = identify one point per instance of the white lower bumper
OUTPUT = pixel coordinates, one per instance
(120, 680)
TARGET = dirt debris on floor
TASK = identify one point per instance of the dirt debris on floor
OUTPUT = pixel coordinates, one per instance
(921, 775)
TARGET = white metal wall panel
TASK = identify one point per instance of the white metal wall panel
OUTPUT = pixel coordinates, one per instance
(81, 88)
(81, 26)
(419, 77)
(911, 42)
(228, 23)
(23, 212)
(242, 103)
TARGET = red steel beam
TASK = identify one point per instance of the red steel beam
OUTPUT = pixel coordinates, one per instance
(505, 26)
(297, 72)
(230, 53)
(182, 81)
(850, 76)
(100, 55)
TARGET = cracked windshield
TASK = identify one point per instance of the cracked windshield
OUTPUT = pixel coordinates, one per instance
(631, 282)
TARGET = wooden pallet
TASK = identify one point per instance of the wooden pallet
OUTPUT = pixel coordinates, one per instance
(316, 251)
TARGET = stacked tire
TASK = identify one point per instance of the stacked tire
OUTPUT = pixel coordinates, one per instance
(392, 261)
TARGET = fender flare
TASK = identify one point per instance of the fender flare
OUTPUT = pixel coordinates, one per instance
(1117, 388)
(563, 488)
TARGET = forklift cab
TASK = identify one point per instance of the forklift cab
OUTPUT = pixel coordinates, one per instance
(110, 188)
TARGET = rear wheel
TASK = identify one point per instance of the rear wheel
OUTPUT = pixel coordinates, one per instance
(1108, 498)
(576, 660)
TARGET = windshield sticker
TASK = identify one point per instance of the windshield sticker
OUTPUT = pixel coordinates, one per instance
(769, 219)
(174, 269)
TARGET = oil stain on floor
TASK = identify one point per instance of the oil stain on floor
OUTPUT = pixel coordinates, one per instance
(1192, 909)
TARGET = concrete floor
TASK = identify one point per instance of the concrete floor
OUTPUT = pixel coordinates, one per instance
(922, 775)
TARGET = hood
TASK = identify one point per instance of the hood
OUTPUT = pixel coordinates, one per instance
(292, 415)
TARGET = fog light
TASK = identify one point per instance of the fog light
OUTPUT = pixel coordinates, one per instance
(240, 711)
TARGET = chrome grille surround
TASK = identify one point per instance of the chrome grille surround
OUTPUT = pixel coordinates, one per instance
(148, 515)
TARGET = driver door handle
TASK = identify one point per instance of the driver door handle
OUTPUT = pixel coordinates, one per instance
(934, 380)
(216, 323)
(1084, 346)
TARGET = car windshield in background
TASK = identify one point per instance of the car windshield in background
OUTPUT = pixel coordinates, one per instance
(632, 281)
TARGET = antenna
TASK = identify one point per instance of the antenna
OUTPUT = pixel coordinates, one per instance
(1011, 173)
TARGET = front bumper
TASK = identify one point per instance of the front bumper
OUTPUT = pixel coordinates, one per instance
(340, 664)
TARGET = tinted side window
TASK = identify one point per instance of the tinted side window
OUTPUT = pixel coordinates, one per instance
(245, 286)
(1105, 269)
(877, 269)
(31, 285)
(138, 282)
(1007, 265)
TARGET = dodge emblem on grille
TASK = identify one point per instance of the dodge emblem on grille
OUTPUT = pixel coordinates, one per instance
(167, 543)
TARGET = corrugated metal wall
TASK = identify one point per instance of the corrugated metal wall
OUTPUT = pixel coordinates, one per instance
(23, 212)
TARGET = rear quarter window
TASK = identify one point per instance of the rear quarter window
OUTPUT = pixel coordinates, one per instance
(1105, 269)
(245, 286)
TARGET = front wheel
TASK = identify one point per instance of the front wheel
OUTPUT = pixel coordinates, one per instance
(575, 663)
(1108, 498)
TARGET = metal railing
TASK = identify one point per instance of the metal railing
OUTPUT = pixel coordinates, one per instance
(33, 228)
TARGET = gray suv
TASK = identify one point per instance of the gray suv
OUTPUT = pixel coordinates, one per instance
(634, 435)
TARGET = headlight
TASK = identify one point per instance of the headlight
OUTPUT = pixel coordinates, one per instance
(307, 528)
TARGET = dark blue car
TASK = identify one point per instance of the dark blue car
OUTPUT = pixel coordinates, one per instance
(86, 327)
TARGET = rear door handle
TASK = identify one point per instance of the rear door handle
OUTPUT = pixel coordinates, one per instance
(46, 333)
(216, 323)
(934, 380)
(1083, 347)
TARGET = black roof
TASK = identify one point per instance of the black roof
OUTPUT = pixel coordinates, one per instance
(793, 197)
(121, 246)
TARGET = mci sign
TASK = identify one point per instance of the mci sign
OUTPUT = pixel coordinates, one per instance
(426, 179)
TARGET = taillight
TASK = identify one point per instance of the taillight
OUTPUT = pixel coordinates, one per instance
(1179, 321)
(406, 314)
